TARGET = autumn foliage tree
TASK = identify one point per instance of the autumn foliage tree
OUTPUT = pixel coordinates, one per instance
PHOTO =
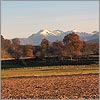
(5, 45)
(14, 49)
(73, 44)
(57, 48)
(28, 51)
(90, 48)
(44, 47)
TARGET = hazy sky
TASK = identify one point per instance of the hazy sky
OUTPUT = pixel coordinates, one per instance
(22, 18)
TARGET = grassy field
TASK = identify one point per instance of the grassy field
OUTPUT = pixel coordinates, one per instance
(49, 70)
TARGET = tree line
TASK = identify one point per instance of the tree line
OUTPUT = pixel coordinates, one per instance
(71, 46)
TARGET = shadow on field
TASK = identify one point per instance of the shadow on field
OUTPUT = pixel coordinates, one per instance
(21, 63)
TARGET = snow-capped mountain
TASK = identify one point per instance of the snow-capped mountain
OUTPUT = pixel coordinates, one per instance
(52, 36)
(35, 39)
(94, 37)
(87, 36)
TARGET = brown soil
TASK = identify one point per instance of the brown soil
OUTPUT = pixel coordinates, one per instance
(67, 86)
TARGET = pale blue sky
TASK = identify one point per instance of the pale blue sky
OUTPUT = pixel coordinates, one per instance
(22, 18)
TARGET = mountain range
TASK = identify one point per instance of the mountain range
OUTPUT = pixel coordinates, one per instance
(57, 35)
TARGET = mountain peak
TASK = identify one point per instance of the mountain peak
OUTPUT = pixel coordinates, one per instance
(44, 32)
(74, 30)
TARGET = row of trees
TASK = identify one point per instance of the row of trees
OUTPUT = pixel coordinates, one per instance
(13, 49)
(71, 45)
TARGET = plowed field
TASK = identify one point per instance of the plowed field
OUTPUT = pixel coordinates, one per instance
(45, 87)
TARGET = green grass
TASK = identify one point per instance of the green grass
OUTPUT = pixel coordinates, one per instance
(49, 70)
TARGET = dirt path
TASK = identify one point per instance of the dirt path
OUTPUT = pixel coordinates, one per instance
(67, 86)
